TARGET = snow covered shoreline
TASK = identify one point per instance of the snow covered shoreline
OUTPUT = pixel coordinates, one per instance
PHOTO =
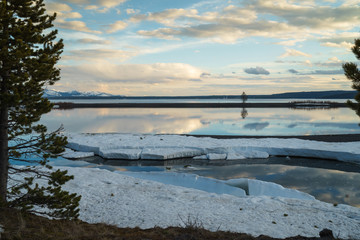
(146, 200)
(125, 201)
(163, 147)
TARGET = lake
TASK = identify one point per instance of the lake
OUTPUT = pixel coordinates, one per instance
(205, 121)
(209, 100)
(329, 181)
(334, 182)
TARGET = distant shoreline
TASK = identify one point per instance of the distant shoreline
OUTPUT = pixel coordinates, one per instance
(70, 105)
(322, 138)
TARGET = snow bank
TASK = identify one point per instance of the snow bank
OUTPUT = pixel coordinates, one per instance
(70, 154)
(124, 201)
(237, 187)
(162, 147)
(255, 187)
(190, 181)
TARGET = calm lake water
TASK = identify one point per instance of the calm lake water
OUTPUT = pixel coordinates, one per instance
(174, 100)
(329, 181)
(205, 121)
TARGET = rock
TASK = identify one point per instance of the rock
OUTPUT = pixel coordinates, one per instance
(326, 234)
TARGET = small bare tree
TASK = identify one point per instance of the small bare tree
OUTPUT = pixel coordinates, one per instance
(244, 97)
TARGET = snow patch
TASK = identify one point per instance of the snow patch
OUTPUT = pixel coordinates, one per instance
(238, 187)
(70, 154)
(255, 187)
(189, 181)
(124, 201)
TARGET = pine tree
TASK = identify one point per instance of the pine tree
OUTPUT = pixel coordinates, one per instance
(352, 72)
(29, 51)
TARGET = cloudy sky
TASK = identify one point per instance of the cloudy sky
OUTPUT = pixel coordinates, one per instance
(205, 47)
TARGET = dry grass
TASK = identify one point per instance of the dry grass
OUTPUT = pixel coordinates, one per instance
(20, 225)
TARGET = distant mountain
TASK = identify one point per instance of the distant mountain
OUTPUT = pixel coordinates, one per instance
(59, 94)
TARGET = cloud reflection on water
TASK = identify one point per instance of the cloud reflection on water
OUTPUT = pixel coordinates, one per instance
(327, 185)
(279, 121)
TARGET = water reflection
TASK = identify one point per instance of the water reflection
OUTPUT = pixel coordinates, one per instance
(329, 181)
(244, 113)
(331, 186)
(274, 121)
(256, 126)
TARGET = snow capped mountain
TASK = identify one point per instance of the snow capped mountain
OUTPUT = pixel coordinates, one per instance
(49, 93)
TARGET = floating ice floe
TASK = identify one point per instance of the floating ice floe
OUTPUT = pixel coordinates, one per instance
(125, 201)
(162, 147)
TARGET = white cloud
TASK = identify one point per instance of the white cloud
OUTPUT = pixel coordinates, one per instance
(346, 45)
(68, 15)
(294, 20)
(341, 40)
(91, 7)
(289, 43)
(117, 26)
(130, 11)
(102, 3)
(308, 63)
(77, 1)
(294, 53)
(166, 17)
(101, 6)
(157, 72)
(98, 55)
(349, 3)
(94, 41)
(110, 3)
(334, 60)
(164, 33)
(156, 79)
(64, 12)
(76, 26)
(57, 7)
(314, 17)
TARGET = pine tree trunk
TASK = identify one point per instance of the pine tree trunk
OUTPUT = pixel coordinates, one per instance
(4, 115)
(4, 155)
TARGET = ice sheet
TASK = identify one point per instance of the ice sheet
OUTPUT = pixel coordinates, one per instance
(161, 147)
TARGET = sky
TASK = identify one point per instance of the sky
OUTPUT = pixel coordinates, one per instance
(205, 47)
